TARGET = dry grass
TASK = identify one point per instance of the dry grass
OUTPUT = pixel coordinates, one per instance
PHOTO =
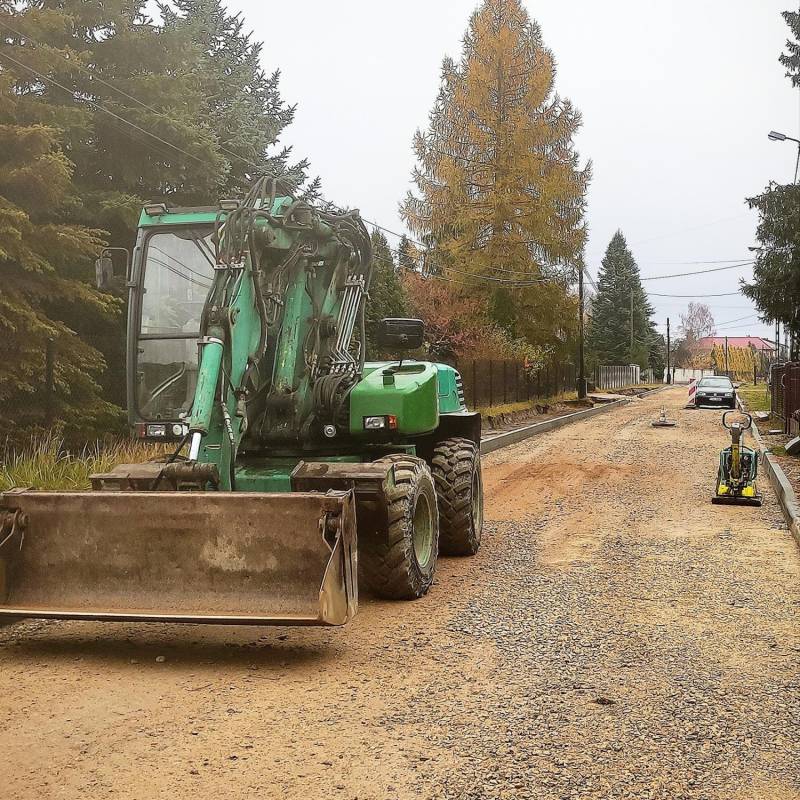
(45, 464)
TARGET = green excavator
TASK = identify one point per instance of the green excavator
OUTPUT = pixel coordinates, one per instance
(295, 469)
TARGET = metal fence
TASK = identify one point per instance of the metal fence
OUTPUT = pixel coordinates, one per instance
(784, 385)
(491, 382)
(613, 377)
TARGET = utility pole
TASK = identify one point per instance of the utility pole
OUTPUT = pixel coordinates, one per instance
(669, 374)
(631, 353)
(777, 355)
(582, 388)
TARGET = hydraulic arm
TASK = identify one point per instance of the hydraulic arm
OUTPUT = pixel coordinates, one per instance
(277, 352)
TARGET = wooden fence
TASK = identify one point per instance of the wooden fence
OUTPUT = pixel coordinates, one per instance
(493, 382)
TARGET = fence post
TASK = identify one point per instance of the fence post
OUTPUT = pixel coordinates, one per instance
(49, 381)
(491, 382)
(516, 382)
(505, 380)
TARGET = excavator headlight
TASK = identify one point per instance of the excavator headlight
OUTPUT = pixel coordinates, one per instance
(155, 209)
(229, 205)
(157, 430)
(388, 422)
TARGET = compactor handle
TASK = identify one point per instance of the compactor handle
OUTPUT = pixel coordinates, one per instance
(741, 427)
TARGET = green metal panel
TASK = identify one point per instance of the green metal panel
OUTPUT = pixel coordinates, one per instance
(449, 399)
(182, 218)
(409, 394)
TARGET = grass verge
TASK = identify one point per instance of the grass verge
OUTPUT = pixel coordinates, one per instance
(45, 464)
(525, 405)
(755, 396)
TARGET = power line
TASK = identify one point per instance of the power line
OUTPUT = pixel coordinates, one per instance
(691, 228)
(749, 320)
(690, 263)
(99, 107)
(690, 296)
(697, 272)
(100, 80)
(426, 247)
(738, 319)
(511, 283)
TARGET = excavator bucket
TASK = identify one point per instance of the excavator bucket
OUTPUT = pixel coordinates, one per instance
(198, 557)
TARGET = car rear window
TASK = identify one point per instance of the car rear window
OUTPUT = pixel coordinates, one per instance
(716, 383)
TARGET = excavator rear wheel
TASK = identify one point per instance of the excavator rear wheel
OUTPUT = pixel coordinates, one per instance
(456, 468)
(398, 562)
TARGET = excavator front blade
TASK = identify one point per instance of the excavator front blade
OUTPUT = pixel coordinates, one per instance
(199, 557)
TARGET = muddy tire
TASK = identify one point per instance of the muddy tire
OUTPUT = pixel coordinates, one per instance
(398, 563)
(456, 468)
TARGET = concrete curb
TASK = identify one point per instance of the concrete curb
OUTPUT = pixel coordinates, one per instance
(787, 499)
(520, 434)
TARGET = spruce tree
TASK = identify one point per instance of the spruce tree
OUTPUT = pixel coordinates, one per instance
(241, 103)
(620, 290)
(173, 112)
(406, 254)
(39, 255)
(791, 58)
(386, 294)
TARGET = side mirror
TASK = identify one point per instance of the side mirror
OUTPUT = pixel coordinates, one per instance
(401, 334)
(104, 273)
(104, 268)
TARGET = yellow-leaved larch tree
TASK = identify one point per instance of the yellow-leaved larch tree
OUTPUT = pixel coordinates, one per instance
(500, 190)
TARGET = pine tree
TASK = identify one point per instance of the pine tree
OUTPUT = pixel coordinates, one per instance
(501, 191)
(386, 294)
(620, 289)
(120, 91)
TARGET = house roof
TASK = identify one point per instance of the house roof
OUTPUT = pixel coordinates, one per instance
(708, 342)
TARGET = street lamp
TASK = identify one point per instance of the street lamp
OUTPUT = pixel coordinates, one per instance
(775, 136)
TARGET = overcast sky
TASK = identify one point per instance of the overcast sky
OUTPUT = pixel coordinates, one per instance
(677, 100)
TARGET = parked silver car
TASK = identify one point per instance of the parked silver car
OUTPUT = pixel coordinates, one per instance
(715, 390)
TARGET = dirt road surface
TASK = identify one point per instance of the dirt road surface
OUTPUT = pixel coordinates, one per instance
(617, 636)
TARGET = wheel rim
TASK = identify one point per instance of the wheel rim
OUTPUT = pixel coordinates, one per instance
(422, 534)
(477, 502)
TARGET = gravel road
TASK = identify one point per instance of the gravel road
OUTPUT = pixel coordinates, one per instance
(617, 636)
